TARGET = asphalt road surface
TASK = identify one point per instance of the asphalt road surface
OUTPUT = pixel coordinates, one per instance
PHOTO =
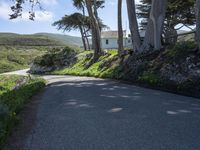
(80, 113)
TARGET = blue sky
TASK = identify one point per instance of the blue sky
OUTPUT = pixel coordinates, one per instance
(54, 10)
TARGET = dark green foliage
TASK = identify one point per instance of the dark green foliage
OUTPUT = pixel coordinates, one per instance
(12, 101)
(190, 86)
(73, 22)
(57, 57)
(178, 12)
(180, 51)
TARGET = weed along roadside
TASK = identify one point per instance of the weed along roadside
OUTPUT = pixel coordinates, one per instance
(15, 92)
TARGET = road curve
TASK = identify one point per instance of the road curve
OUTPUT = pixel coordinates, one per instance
(18, 72)
(81, 113)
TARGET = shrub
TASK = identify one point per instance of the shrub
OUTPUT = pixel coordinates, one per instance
(180, 51)
(57, 57)
(150, 78)
(16, 59)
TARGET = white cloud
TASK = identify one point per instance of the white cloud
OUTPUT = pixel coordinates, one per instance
(40, 16)
(4, 11)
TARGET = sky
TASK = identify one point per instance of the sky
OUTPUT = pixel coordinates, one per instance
(53, 11)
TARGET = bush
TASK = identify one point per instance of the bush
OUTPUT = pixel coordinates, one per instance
(180, 51)
(57, 57)
(16, 59)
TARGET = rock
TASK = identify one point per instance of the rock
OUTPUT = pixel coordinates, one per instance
(183, 72)
(37, 69)
(20, 82)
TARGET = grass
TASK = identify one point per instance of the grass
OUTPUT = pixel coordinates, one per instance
(106, 67)
(13, 98)
(12, 58)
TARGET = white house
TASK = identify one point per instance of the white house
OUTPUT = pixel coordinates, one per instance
(109, 39)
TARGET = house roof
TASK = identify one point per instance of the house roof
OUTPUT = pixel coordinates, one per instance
(111, 34)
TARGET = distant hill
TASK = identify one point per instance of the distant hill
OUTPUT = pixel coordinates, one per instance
(39, 39)
(66, 39)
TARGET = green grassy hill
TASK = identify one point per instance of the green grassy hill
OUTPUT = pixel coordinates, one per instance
(17, 51)
(38, 39)
(10, 39)
(15, 59)
(66, 39)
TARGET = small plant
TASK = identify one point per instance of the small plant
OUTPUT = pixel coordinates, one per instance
(180, 51)
(150, 78)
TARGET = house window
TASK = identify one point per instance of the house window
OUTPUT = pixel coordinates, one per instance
(129, 41)
(107, 41)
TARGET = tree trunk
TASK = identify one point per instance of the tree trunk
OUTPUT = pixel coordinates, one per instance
(83, 38)
(148, 42)
(120, 29)
(85, 32)
(95, 9)
(133, 25)
(96, 34)
(198, 23)
(88, 43)
(155, 25)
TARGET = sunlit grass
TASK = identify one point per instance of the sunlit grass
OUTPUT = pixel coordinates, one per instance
(84, 67)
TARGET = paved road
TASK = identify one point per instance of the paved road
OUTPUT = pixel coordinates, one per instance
(18, 72)
(79, 113)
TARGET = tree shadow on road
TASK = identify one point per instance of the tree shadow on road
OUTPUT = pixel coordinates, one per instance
(106, 110)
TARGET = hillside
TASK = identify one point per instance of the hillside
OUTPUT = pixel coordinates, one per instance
(38, 39)
(12, 58)
(66, 39)
(10, 39)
